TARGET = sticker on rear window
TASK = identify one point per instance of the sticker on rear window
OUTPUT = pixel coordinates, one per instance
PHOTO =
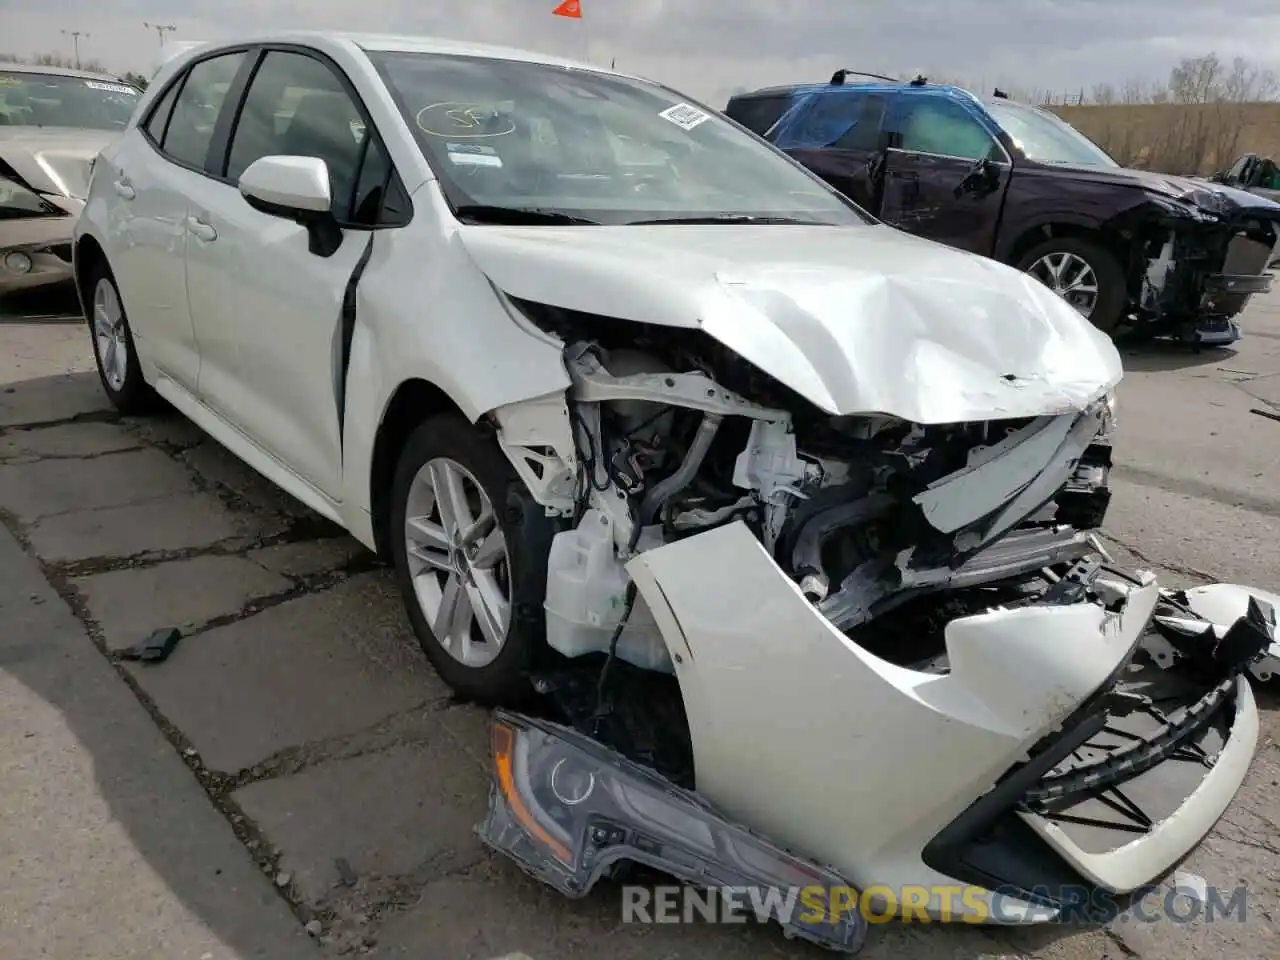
(112, 87)
(473, 155)
(684, 116)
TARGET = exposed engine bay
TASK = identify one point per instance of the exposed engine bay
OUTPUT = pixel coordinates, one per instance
(673, 435)
(721, 538)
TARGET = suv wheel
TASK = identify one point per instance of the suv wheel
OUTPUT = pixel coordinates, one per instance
(113, 347)
(1084, 274)
(470, 548)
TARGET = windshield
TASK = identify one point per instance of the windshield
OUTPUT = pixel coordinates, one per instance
(570, 145)
(1046, 138)
(49, 100)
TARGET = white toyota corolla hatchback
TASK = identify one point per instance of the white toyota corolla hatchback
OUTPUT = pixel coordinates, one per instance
(773, 520)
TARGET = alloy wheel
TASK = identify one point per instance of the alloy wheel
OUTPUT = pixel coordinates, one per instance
(109, 332)
(1070, 277)
(458, 561)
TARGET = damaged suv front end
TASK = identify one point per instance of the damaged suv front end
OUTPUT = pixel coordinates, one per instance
(1203, 251)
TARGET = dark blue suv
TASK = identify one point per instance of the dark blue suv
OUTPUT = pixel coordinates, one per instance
(1131, 250)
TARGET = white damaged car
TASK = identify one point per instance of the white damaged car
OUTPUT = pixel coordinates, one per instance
(773, 520)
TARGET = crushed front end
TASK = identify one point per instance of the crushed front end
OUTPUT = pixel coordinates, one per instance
(1202, 256)
(888, 647)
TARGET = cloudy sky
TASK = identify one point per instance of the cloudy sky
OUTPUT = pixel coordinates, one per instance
(712, 47)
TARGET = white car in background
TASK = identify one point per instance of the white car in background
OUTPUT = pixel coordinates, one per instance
(53, 122)
(781, 515)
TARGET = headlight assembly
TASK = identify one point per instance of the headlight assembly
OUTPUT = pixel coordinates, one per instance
(569, 811)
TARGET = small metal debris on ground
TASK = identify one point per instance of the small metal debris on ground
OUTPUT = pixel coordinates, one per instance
(1265, 413)
(314, 927)
(156, 648)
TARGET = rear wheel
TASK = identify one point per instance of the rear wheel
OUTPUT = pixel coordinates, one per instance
(470, 549)
(113, 347)
(1084, 274)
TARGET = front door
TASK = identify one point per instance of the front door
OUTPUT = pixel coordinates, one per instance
(267, 310)
(944, 174)
(837, 138)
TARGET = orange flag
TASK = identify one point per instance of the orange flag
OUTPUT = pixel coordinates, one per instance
(570, 8)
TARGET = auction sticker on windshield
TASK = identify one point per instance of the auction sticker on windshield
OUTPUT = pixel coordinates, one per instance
(112, 87)
(685, 116)
(470, 154)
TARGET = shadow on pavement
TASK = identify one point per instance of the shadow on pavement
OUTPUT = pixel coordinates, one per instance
(57, 304)
(1157, 355)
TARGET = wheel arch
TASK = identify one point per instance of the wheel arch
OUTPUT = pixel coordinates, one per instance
(412, 402)
(1076, 228)
(85, 256)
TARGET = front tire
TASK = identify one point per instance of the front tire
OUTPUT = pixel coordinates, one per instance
(113, 347)
(1085, 274)
(470, 547)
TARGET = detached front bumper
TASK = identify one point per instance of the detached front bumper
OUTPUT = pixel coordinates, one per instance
(905, 780)
(35, 252)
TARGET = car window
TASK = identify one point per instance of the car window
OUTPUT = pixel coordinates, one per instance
(159, 118)
(53, 100)
(757, 114)
(1047, 138)
(846, 120)
(939, 126)
(190, 129)
(541, 139)
(297, 106)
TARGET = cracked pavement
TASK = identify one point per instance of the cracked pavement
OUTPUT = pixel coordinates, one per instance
(296, 782)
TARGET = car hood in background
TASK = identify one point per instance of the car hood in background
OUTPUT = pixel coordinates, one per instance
(855, 319)
(53, 160)
(1208, 196)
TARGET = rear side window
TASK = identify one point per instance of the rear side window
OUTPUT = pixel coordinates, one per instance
(847, 120)
(757, 114)
(190, 128)
(160, 113)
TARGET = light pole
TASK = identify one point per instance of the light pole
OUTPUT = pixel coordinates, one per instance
(75, 36)
(161, 29)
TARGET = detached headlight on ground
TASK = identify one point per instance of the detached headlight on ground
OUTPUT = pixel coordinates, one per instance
(570, 811)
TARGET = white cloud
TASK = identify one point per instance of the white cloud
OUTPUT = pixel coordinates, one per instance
(712, 47)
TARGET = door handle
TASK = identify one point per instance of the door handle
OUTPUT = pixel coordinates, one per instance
(124, 188)
(906, 175)
(201, 230)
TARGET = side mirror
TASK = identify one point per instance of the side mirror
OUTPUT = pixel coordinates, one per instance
(983, 176)
(296, 188)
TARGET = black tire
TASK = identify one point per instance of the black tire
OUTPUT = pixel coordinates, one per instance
(528, 533)
(133, 396)
(1112, 293)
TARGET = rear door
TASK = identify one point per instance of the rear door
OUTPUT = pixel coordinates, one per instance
(837, 136)
(151, 174)
(945, 173)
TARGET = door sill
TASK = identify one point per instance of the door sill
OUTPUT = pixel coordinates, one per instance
(247, 450)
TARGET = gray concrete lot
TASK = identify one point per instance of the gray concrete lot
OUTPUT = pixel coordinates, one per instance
(295, 781)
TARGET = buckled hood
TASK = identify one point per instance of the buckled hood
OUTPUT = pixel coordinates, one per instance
(53, 160)
(855, 319)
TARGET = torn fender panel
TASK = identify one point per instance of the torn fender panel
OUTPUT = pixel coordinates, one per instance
(776, 696)
(858, 320)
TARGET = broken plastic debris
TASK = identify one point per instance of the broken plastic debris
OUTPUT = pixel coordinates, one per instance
(156, 648)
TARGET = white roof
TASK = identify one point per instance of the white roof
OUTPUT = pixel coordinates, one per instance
(383, 42)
